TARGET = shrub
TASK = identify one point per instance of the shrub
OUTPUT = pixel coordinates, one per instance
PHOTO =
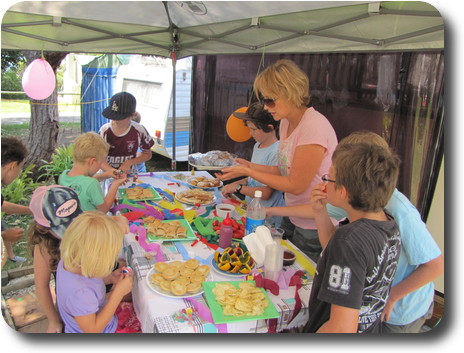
(21, 189)
(62, 159)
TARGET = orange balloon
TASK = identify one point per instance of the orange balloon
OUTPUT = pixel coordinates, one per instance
(236, 128)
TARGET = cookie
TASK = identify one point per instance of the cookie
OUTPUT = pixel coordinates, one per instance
(177, 264)
(193, 287)
(160, 266)
(192, 263)
(178, 288)
(186, 272)
(165, 285)
(170, 273)
(202, 270)
(197, 278)
(157, 278)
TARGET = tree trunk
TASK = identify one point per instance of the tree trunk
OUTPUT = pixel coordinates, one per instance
(44, 126)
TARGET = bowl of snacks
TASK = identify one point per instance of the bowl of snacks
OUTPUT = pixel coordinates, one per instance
(233, 262)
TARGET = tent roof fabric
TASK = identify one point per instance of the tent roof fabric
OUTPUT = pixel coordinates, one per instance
(222, 27)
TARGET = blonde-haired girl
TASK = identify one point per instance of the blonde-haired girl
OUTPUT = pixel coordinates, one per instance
(89, 249)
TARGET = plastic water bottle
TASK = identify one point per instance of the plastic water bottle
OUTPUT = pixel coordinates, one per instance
(225, 233)
(255, 214)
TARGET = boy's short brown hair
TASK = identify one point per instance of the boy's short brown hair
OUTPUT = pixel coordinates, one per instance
(90, 145)
(368, 172)
(365, 136)
(136, 117)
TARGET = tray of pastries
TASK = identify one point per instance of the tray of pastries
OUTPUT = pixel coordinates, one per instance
(140, 193)
(175, 230)
(212, 160)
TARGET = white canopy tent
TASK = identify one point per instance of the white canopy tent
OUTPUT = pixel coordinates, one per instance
(180, 29)
(221, 27)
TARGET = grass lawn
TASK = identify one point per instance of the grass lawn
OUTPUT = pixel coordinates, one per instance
(22, 130)
(23, 106)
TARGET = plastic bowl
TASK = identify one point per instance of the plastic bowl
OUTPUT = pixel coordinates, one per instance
(289, 258)
(223, 209)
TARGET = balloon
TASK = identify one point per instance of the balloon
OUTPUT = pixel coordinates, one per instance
(236, 128)
(39, 79)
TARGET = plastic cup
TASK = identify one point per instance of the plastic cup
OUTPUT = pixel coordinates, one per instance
(273, 261)
(277, 234)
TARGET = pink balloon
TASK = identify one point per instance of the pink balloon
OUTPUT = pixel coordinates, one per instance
(39, 79)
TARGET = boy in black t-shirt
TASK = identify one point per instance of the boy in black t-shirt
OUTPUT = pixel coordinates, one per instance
(358, 261)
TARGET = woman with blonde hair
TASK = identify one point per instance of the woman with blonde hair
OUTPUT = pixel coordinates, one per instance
(307, 141)
(89, 249)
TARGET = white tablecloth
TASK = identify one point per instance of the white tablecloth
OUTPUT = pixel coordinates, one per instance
(158, 313)
(161, 314)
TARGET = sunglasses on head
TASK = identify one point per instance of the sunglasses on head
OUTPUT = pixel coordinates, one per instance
(270, 102)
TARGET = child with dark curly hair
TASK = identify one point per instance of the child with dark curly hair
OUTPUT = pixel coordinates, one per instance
(14, 154)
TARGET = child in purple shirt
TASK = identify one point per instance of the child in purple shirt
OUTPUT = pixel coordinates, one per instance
(89, 249)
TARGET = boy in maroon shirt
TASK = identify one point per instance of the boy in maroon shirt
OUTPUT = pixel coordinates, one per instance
(124, 135)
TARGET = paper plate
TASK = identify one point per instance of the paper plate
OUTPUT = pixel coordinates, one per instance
(180, 194)
(155, 288)
(270, 312)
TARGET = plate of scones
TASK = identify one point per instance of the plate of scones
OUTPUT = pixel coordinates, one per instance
(178, 279)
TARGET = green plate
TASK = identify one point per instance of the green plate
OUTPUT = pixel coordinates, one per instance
(190, 234)
(216, 309)
(155, 196)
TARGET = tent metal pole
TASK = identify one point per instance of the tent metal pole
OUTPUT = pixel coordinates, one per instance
(175, 42)
(173, 164)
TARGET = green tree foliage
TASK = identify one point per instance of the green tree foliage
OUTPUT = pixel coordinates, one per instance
(12, 59)
(13, 65)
